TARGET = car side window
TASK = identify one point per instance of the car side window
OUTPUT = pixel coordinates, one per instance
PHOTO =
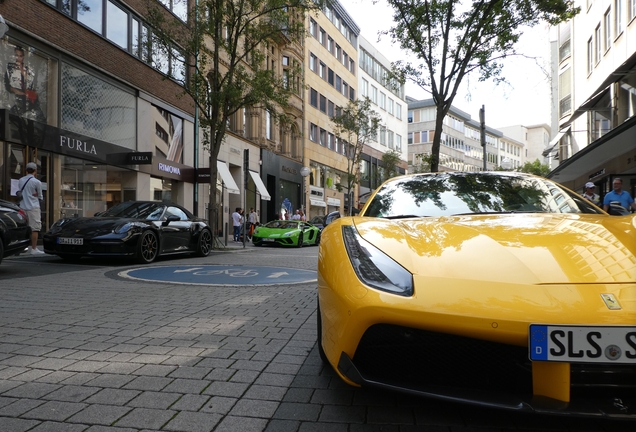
(175, 211)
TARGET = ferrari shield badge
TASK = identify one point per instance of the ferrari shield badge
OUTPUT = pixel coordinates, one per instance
(611, 302)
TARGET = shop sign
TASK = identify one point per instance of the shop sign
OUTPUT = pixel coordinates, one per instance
(169, 168)
(139, 158)
(289, 170)
(77, 145)
(333, 202)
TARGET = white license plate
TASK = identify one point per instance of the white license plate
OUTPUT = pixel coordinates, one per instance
(583, 344)
(268, 240)
(70, 240)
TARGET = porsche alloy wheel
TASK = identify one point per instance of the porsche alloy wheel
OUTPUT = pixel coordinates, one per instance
(204, 245)
(148, 247)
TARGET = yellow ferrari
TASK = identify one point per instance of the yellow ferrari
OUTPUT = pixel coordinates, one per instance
(499, 289)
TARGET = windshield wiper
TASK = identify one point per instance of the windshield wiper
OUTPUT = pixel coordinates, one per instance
(403, 216)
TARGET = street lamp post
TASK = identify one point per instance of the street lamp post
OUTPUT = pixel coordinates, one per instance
(304, 172)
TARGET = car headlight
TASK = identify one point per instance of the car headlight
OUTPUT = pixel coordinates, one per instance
(374, 267)
(289, 233)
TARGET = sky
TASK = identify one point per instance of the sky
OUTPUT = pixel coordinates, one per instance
(524, 100)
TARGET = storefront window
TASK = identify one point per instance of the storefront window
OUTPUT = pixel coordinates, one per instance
(161, 189)
(86, 188)
(168, 140)
(26, 81)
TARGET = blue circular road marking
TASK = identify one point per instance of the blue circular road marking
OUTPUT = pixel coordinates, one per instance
(220, 275)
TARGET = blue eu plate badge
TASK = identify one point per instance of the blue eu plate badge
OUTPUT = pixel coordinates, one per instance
(538, 342)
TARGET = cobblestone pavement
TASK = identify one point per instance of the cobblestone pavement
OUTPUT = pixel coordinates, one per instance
(83, 350)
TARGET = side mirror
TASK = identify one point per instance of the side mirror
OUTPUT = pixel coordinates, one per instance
(331, 217)
(617, 210)
(171, 218)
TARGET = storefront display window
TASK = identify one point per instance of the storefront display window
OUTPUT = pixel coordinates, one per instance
(25, 81)
(168, 140)
(95, 108)
(161, 189)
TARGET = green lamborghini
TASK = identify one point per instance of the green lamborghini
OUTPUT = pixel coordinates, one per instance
(286, 233)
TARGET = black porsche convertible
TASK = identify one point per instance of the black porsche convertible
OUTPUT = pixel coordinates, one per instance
(142, 230)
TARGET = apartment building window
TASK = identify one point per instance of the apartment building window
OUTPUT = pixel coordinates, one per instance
(382, 101)
(390, 106)
(331, 142)
(338, 52)
(398, 111)
(382, 132)
(313, 97)
(365, 88)
(345, 58)
(607, 36)
(597, 44)
(313, 132)
(177, 7)
(352, 66)
(345, 88)
(313, 61)
(330, 76)
(286, 78)
(618, 17)
(323, 104)
(631, 13)
(374, 95)
(323, 137)
(398, 142)
(565, 91)
(564, 41)
(410, 116)
(323, 37)
(330, 44)
(590, 56)
(313, 28)
(269, 125)
(410, 138)
(116, 25)
(338, 83)
(390, 139)
(323, 70)
(352, 94)
(330, 109)
(91, 15)
(285, 61)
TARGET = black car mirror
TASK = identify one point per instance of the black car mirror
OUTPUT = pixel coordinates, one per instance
(616, 209)
(332, 217)
(171, 218)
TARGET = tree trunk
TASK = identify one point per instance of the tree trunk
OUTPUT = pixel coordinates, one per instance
(437, 138)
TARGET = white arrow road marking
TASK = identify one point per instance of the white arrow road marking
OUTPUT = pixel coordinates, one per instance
(188, 270)
(277, 275)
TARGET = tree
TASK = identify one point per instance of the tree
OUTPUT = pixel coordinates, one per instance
(423, 164)
(452, 38)
(536, 168)
(354, 126)
(390, 162)
(224, 55)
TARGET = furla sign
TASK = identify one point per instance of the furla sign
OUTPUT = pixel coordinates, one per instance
(77, 145)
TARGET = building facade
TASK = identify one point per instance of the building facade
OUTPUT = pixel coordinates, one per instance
(596, 98)
(388, 101)
(460, 148)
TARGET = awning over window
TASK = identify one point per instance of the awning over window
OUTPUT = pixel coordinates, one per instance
(317, 203)
(227, 178)
(555, 142)
(260, 186)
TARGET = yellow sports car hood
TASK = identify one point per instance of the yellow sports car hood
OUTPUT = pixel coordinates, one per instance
(523, 248)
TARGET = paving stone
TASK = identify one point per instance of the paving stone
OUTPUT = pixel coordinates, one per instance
(155, 370)
(113, 397)
(188, 421)
(31, 390)
(19, 407)
(32, 375)
(97, 428)
(71, 393)
(50, 426)
(243, 424)
(56, 377)
(218, 388)
(12, 371)
(79, 378)
(20, 360)
(110, 380)
(323, 427)
(120, 368)
(342, 414)
(158, 400)
(190, 402)
(219, 405)
(16, 425)
(143, 418)
(187, 386)
(297, 411)
(148, 383)
(55, 411)
(282, 426)
(100, 414)
(266, 393)
(189, 372)
(275, 379)
(254, 408)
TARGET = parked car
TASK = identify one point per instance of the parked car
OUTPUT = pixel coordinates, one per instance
(323, 220)
(15, 233)
(496, 289)
(143, 230)
(286, 233)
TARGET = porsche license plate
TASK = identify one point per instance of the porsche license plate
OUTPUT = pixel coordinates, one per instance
(70, 240)
(583, 344)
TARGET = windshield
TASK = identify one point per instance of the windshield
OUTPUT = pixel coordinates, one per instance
(283, 224)
(449, 194)
(136, 210)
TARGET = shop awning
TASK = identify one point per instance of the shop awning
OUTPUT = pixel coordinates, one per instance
(554, 142)
(317, 203)
(227, 178)
(260, 186)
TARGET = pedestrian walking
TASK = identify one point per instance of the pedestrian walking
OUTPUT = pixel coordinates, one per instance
(31, 189)
(237, 221)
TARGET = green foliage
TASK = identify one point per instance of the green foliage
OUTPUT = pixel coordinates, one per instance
(224, 50)
(451, 39)
(536, 168)
(390, 162)
(423, 165)
(356, 124)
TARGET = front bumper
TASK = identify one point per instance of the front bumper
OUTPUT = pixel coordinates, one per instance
(467, 370)
(112, 245)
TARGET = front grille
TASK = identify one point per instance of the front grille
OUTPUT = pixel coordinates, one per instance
(412, 358)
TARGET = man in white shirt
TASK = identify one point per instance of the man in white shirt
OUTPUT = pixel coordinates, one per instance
(590, 195)
(31, 189)
(237, 221)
